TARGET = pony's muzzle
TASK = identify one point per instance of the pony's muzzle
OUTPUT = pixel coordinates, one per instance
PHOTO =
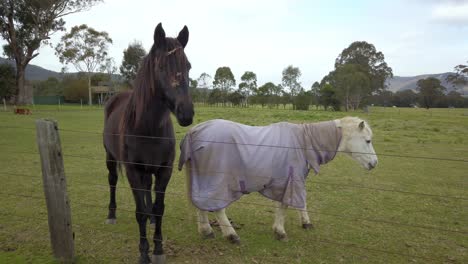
(372, 165)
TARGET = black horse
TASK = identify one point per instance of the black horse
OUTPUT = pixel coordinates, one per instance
(139, 134)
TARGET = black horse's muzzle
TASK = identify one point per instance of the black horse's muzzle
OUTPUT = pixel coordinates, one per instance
(184, 113)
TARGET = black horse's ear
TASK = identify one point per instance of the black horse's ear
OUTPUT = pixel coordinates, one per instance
(183, 36)
(361, 125)
(159, 36)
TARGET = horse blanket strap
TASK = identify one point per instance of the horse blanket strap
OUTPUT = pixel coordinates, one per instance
(229, 160)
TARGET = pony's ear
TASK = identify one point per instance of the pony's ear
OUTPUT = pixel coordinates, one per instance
(159, 36)
(183, 36)
(361, 125)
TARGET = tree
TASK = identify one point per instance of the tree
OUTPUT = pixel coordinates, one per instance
(351, 84)
(314, 90)
(248, 86)
(291, 79)
(371, 61)
(236, 98)
(28, 24)
(430, 90)
(132, 56)
(204, 80)
(86, 49)
(7, 81)
(406, 98)
(75, 88)
(461, 75)
(224, 80)
(265, 92)
(328, 97)
(49, 87)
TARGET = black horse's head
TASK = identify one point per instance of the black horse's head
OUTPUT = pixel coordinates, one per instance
(171, 69)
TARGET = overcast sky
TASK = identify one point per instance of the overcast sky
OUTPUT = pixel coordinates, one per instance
(265, 36)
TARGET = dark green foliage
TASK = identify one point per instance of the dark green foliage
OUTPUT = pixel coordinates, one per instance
(360, 70)
(303, 100)
(236, 98)
(328, 97)
(430, 91)
(75, 89)
(224, 79)
(216, 96)
(132, 56)
(50, 87)
(372, 63)
(7, 81)
(28, 24)
(99, 78)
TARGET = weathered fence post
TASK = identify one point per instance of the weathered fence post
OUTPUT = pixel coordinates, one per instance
(55, 189)
(4, 104)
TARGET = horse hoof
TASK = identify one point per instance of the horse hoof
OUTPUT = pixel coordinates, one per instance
(158, 259)
(281, 236)
(144, 259)
(307, 226)
(234, 239)
(111, 221)
(210, 235)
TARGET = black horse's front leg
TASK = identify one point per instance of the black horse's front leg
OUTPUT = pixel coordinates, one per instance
(141, 187)
(163, 176)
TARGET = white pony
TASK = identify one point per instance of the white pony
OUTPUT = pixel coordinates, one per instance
(225, 160)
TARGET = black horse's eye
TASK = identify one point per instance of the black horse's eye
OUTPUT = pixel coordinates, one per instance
(368, 141)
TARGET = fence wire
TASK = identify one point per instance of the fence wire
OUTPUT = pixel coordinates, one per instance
(336, 216)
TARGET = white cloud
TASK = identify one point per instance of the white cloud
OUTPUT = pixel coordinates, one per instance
(452, 12)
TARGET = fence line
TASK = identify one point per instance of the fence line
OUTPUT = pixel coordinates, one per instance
(272, 206)
(256, 204)
(322, 241)
(313, 181)
(259, 145)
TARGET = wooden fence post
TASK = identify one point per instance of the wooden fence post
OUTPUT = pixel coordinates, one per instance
(55, 189)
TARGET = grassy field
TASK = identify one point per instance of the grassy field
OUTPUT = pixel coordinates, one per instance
(381, 216)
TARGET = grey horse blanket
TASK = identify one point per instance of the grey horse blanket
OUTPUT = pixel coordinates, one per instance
(229, 159)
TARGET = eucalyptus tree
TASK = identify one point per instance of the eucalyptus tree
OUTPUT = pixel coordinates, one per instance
(26, 25)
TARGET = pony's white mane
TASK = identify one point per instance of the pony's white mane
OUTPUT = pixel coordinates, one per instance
(350, 124)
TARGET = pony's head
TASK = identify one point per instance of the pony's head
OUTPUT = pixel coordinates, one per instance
(357, 141)
(171, 68)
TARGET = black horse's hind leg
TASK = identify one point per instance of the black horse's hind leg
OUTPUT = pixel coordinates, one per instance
(113, 177)
(163, 176)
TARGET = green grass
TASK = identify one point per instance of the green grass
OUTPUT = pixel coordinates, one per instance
(341, 234)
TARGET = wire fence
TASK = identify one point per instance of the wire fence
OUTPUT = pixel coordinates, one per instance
(314, 239)
(339, 217)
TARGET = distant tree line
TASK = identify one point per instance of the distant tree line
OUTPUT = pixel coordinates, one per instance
(358, 78)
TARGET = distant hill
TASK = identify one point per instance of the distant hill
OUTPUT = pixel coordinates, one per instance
(37, 73)
(400, 83)
(33, 72)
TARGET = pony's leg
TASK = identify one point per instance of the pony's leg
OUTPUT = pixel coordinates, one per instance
(163, 175)
(204, 227)
(226, 227)
(278, 226)
(112, 177)
(140, 181)
(305, 220)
